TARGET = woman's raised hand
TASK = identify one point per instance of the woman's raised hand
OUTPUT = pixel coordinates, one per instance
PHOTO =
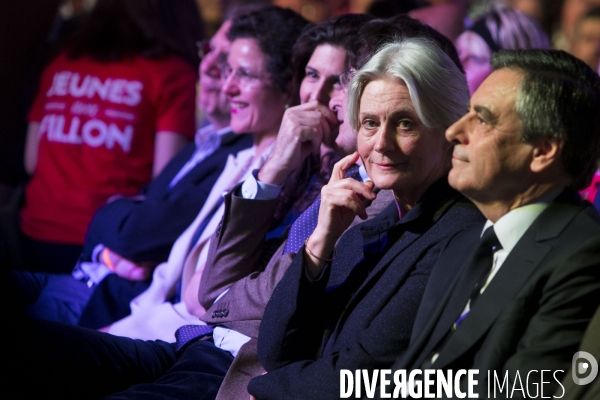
(302, 131)
(342, 199)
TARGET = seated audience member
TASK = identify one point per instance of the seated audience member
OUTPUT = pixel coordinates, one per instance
(318, 78)
(134, 234)
(512, 298)
(129, 226)
(320, 57)
(352, 305)
(241, 307)
(585, 44)
(259, 86)
(503, 29)
(111, 111)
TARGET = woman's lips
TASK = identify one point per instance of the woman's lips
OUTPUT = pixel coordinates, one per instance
(236, 107)
(386, 166)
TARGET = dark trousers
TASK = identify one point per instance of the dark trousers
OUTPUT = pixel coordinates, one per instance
(55, 360)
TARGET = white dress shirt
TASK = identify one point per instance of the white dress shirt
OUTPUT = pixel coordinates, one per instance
(208, 140)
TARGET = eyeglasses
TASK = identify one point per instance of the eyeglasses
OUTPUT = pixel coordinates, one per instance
(204, 48)
(346, 78)
(243, 77)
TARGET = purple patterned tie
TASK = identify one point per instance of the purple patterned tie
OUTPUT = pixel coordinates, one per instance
(187, 333)
(306, 223)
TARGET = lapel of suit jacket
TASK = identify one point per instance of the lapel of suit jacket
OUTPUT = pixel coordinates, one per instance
(366, 237)
(442, 283)
(522, 261)
(416, 222)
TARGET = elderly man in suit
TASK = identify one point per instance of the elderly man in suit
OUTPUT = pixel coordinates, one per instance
(516, 305)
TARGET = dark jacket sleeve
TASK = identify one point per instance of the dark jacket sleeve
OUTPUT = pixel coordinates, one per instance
(243, 306)
(294, 326)
(145, 230)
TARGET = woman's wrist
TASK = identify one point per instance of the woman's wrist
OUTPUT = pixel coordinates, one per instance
(318, 251)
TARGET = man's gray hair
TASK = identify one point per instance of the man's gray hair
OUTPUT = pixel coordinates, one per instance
(558, 97)
(437, 88)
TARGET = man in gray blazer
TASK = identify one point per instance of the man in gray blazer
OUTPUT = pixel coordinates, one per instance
(529, 142)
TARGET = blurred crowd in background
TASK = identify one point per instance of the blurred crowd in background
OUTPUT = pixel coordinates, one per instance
(32, 32)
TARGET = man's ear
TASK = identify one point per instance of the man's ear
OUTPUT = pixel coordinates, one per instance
(546, 152)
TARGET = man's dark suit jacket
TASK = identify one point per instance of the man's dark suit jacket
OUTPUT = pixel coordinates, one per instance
(533, 313)
(145, 230)
(365, 318)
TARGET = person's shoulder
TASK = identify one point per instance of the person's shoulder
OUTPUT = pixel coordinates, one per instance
(585, 225)
(454, 206)
(572, 212)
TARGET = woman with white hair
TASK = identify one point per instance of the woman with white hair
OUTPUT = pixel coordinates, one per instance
(502, 29)
(349, 301)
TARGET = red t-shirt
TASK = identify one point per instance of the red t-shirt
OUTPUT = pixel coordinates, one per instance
(98, 123)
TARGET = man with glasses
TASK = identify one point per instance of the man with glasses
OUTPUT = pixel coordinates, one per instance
(131, 235)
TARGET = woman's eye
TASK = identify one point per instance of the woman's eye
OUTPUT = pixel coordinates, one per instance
(405, 124)
(311, 74)
(369, 124)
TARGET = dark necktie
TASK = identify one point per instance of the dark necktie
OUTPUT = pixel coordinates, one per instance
(187, 333)
(306, 223)
(481, 267)
(472, 278)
